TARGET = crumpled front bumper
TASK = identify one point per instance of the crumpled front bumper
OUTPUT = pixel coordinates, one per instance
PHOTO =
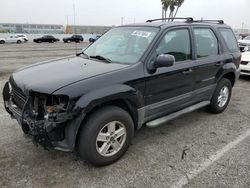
(44, 132)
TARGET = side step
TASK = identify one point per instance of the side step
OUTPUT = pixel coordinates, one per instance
(160, 121)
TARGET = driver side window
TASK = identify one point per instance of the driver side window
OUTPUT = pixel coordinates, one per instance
(176, 43)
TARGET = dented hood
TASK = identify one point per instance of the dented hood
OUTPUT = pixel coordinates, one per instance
(47, 77)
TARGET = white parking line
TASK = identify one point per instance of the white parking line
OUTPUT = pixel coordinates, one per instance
(208, 162)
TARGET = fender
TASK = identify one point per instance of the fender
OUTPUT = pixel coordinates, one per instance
(109, 93)
(227, 68)
(92, 99)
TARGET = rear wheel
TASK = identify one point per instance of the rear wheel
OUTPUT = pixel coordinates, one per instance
(18, 42)
(2, 42)
(105, 136)
(221, 96)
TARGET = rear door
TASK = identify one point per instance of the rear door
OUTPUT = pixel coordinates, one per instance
(170, 88)
(209, 61)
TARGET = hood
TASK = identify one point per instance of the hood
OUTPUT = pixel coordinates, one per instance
(47, 77)
(244, 41)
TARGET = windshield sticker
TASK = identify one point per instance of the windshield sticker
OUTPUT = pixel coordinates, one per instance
(141, 34)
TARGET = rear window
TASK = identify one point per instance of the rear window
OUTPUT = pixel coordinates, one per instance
(229, 38)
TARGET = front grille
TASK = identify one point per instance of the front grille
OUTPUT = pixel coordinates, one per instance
(242, 44)
(18, 97)
(244, 62)
(245, 71)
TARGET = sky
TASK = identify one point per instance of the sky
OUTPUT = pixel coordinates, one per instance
(110, 12)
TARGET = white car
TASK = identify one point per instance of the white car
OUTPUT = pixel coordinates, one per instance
(24, 37)
(244, 43)
(245, 63)
(12, 39)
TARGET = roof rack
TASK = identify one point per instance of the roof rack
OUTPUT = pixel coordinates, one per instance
(188, 19)
(212, 21)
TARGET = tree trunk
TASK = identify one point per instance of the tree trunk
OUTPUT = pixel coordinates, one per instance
(176, 11)
(169, 16)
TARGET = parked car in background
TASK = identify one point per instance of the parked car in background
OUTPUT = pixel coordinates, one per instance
(46, 38)
(11, 39)
(73, 38)
(245, 63)
(244, 43)
(93, 39)
(22, 36)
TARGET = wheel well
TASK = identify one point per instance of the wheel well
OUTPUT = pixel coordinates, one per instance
(124, 104)
(230, 76)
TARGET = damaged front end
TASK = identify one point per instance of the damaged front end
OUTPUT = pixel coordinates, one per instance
(43, 117)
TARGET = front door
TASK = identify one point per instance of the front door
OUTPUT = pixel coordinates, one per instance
(170, 89)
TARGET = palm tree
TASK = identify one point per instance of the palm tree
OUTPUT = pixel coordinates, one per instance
(178, 4)
(165, 5)
(173, 7)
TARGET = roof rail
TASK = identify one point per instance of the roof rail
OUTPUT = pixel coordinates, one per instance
(188, 19)
(212, 21)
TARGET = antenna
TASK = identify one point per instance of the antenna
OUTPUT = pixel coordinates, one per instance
(74, 11)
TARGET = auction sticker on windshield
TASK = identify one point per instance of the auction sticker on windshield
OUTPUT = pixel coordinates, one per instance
(141, 34)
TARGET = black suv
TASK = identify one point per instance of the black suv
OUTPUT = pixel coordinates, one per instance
(73, 38)
(134, 75)
(46, 38)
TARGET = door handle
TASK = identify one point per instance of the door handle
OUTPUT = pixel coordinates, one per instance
(219, 63)
(187, 71)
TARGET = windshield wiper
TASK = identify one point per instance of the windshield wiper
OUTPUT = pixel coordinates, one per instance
(82, 53)
(99, 57)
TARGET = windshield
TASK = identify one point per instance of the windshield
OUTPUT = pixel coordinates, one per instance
(123, 44)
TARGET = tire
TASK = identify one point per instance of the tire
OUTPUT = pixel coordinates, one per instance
(217, 106)
(39, 41)
(2, 42)
(18, 42)
(102, 121)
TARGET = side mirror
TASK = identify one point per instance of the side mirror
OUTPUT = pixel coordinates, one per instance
(164, 60)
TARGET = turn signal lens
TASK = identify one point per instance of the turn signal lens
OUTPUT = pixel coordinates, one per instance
(50, 109)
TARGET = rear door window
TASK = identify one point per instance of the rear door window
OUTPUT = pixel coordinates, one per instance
(230, 39)
(206, 42)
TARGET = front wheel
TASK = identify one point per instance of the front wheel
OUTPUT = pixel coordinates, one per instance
(221, 96)
(105, 136)
(18, 42)
(2, 42)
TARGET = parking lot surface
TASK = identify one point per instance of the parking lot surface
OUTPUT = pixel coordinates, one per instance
(198, 149)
